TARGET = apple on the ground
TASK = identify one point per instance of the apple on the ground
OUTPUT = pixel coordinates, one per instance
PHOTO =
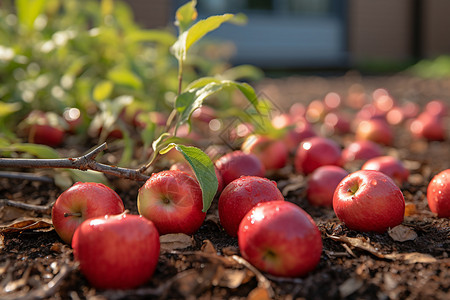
(273, 153)
(368, 200)
(280, 238)
(322, 183)
(237, 163)
(438, 194)
(390, 166)
(316, 152)
(172, 200)
(82, 201)
(117, 252)
(240, 196)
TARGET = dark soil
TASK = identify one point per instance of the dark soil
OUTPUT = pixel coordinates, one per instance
(35, 263)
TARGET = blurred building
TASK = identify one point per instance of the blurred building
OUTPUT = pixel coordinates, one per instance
(321, 33)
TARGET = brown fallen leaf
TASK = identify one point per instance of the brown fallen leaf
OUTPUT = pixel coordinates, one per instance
(208, 247)
(410, 209)
(23, 224)
(402, 233)
(233, 278)
(259, 293)
(409, 258)
(174, 241)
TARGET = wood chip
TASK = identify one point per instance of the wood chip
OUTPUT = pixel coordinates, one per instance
(175, 241)
(402, 233)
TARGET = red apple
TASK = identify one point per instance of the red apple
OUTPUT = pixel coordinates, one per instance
(237, 163)
(322, 183)
(376, 130)
(44, 128)
(316, 152)
(436, 108)
(117, 252)
(185, 167)
(428, 127)
(297, 129)
(390, 166)
(271, 152)
(82, 201)
(240, 196)
(172, 200)
(361, 150)
(280, 238)
(337, 122)
(438, 194)
(369, 200)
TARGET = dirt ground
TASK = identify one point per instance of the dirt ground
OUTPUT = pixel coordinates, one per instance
(36, 264)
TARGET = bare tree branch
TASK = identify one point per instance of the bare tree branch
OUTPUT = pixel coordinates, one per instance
(26, 206)
(83, 163)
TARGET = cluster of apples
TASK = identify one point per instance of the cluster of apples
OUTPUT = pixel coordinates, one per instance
(274, 235)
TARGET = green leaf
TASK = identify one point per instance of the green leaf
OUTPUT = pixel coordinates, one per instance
(204, 170)
(196, 32)
(40, 151)
(102, 90)
(88, 176)
(28, 11)
(9, 108)
(187, 102)
(185, 15)
(125, 77)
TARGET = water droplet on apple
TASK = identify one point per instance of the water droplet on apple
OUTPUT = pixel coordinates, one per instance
(373, 182)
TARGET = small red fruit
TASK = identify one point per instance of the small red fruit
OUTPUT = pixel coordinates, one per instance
(172, 200)
(280, 238)
(376, 130)
(322, 183)
(271, 152)
(361, 150)
(82, 201)
(237, 163)
(316, 152)
(117, 252)
(240, 196)
(369, 200)
(438, 194)
(390, 166)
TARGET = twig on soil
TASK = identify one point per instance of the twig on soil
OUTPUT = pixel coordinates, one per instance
(47, 290)
(25, 176)
(26, 206)
(83, 163)
(262, 280)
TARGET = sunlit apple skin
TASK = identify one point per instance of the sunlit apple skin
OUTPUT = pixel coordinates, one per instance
(237, 163)
(322, 183)
(390, 166)
(82, 201)
(117, 252)
(376, 130)
(184, 166)
(438, 194)
(240, 196)
(280, 238)
(172, 200)
(316, 152)
(271, 152)
(361, 150)
(369, 201)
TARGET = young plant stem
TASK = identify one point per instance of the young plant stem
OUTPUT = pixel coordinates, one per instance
(83, 163)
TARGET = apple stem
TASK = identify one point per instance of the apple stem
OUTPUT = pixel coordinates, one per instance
(77, 214)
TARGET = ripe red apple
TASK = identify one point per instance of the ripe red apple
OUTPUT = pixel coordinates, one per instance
(438, 194)
(337, 122)
(172, 200)
(117, 252)
(322, 183)
(280, 238)
(437, 108)
(369, 200)
(297, 129)
(237, 163)
(271, 152)
(240, 196)
(428, 127)
(390, 166)
(82, 201)
(185, 167)
(376, 130)
(44, 128)
(361, 150)
(316, 152)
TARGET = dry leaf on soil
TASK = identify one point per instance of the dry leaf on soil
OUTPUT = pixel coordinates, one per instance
(402, 233)
(175, 241)
(23, 224)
